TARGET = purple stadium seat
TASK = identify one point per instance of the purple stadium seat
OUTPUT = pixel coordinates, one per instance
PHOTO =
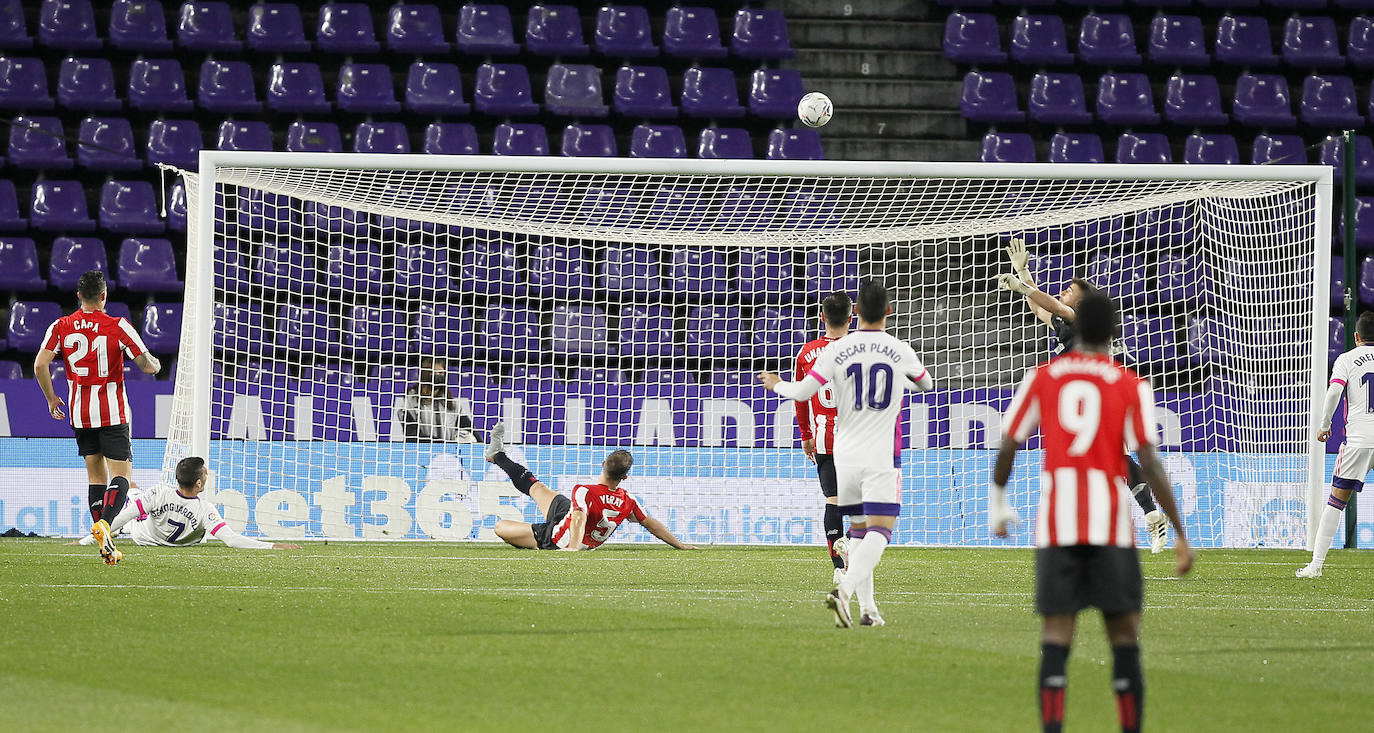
(68, 25)
(307, 328)
(276, 28)
(38, 143)
(1359, 45)
(512, 138)
(765, 274)
(578, 331)
(680, 207)
(628, 271)
(1076, 148)
(176, 206)
(87, 84)
(831, 271)
(139, 25)
(972, 38)
(415, 29)
(1365, 295)
(1125, 99)
(760, 34)
(29, 321)
(504, 89)
(73, 256)
(642, 91)
(207, 26)
(369, 328)
(14, 32)
(435, 89)
(345, 28)
(162, 327)
(1107, 40)
(313, 137)
(445, 330)
(1337, 282)
(422, 270)
(485, 30)
(1058, 99)
(1122, 275)
(1211, 149)
(554, 30)
(1335, 339)
(1179, 278)
(1354, 4)
(1299, 4)
(510, 331)
(1364, 222)
(157, 85)
(558, 271)
(296, 87)
(692, 33)
(713, 332)
(19, 266)
(451, 138)
(1230, 3)
(1149, 339)
(287, 267)
(10, 220)
(1177, 40)
(710, 93)
(1244, 41)
(1194, 100)
(724, 142)
(799, 144)
(129, 207)
(11, 370)
(778, 333)
(591, 376)
(240, 135)
(1262, 100)
(227, 87)
(355, 268)
(1007, 147)
(366, 89)
(574, 90)
(589, 141)
(23, 84)
(106, 144)
(1333, 154)
(1037, 39)
(990, 97)
(658, 141)
(698, 275)
(774, 93)
(148, 265)
(335, 219)
(1278, 149)
(1312, 43)
(381, 137)
(642, 332)
(491, 267)
(745, 209)
(624, 32)
(175, 142)
(1329, 101)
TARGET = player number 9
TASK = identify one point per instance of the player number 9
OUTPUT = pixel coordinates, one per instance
(1080, 413)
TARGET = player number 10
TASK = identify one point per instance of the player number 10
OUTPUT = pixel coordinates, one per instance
(879, 385)
(1080, 413)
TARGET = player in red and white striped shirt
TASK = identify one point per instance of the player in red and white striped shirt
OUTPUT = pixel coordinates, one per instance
(816, 418)
(1087, 407)
(93, 344)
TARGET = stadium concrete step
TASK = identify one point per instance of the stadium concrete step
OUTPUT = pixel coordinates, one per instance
(867, 148)
(896, 124)
(875, 63)
(857, 10)
(852, 34)
(847, 92)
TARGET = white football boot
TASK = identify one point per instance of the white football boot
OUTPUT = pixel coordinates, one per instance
(838, 602)
(1310, 570)
(1158, 526)
(496, 442)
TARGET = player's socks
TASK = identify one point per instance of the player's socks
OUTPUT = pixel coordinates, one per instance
(519, 475)
(95, 496)
(864, 558)
(834, 529)
(1129, 683)
(1144, 498)
(1326, 529)
(865, 594)
(115, 495)
(1054, 660)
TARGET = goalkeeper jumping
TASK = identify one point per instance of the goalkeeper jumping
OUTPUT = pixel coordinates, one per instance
(1059, 314)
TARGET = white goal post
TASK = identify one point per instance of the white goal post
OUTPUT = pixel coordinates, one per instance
(593, 304)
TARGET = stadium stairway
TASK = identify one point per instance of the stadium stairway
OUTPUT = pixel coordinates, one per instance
(896, 96)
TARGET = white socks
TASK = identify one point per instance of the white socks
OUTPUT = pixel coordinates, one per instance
(1326, 531)
(862, 561)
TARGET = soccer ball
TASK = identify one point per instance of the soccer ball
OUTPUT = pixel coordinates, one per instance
(814, 110)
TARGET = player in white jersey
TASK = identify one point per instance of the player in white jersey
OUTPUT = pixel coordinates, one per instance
(869, 371)
(1353, 378)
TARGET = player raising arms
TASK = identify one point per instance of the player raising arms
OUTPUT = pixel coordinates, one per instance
(583, 522)
(816, 418)
(1087, 407)
(94, 344)
(869, 371)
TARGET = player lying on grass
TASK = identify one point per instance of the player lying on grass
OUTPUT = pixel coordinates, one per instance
(583, 522)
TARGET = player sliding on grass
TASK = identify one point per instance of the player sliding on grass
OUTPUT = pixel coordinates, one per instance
(816, 419)
(583, 522)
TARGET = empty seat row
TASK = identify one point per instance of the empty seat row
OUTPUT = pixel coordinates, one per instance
(29, 321)
(126, 207)
(1221, 4)
(145, 265)
(1309, 42)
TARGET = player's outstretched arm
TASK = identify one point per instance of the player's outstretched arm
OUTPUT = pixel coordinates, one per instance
(40, 371)
(577, 524)
(798, 391)
(226, 534)
(661, 531)
(1159, 483)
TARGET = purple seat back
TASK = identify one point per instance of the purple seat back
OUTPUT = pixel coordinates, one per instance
(579, 331)
(415, 29)
(698, 274)
(87, 84)
(366, 88)
(766, 274)
(628, 271)
(313, 137)
(646, 331)
(355, 268)
(38, 143)
(511, 331)
(1364, 222)
(1126, 99)
(176, 206)
(10, 369)
(1359, 44)
(1007, 147)
(1193, 99)
(175, 142)
(658, 141)
(207, 26)
(503, 89)
(60, 206)
(138, 25)
(1035, 39)
(381, 137)
(1180, 278)
(158, 85)
(1177, 40)
(1122, 276)
(692, 33)
(1333, 154)
(1283, 149)
(14, 33)
(558, 271)
(74, 256)
(832, 271)
(10, 220)
(574, 90)
(624, 32)
(422, 271)
(491, 267)
(972, 38)
(1107, 40)
(589, 141)
(710, 92)
(346, 28)
(307, 328)
(554, 30)
(276, 27)
(227, 87)
(1149, 339)
(296, 87)
(244, 135)
(1335, 339)
(1211, 149)
(642, 91)
(1365, 294)
(375, 329)
(774, 93)
(1058, 99)
(713, 332)
(68, 25)
(19, 265)
(435, 88)
(724, 142)
(162, 327)
(1329, 101)
(286, 267)
(779, 333)
(24, 84)
(513, 138)
(129, 207)
(989, 97)
(797, 144)
(1311, 42)
(29, 321)
(451, 138)
(485, 30)
(148, 265)
(760, 34)
(743, 208)
(1243, 40)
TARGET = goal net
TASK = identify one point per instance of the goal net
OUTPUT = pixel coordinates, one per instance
(357, 325)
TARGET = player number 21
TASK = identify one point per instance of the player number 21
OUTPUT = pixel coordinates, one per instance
(1080, 413)
(79, 346)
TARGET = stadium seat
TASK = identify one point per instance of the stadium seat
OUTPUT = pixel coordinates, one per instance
(1333, 154)
(226, 87)
(1076, 148)
(10, 220)
(1037, 39)
(774, 93)
(1299, 4)
(296, 87)
(1244, 41)
(158, 85)
(1149, 339)
(628, 271)
(1230, 3)
(509, 332)
(1359, 45)
(680, 207)
(710, 93)
(485, 30)
(422, 270)
(287, 267)
(712, 332)
(811, 207)
(643, 330)
(307, 328)
(276, 28)
(176, 206)
(175, 142)
(990, 97)
(11, 370)
(832, 271)
(658, 141)
(1177, 40)
(698, 275)
(244, 135)
(579, 331)
(313, 137)
(207, 26)
(1057, 99)
(416, 29)
(29, 321)
(1262, 100)
(451, 138)
(1179, 277)
(87, 84)
(574, 90)
(765, 274)
(74, 256)
(38, 143)
(1335, 339)
(504, 89)
(24, 84)
(1337, 282)
(724, 142)
(778, 333)
(1125, 99)
(370, 328)
(558, 271)
(67, 25)
(435, 89)
(491, 267)
(692, 33)
(1278, 149)
(1364, 223)
(366, 89)
(106, 144)
(745, 209)
(1211, 149)
(129, 207)
(1107, 40)
(554, 30)
(355, 267)
(345, 28)
(798, 144)
(642, 91)
(609, 205)
(59, 206)
(381, 137)
(1122, 275)
(148, 265)
(659, 377)
(588, 141)
(1007, 147)
(1143, 147)
(1312, 43)
(1193, 100)
(972, 38)
(512, 138)
(231, 273)
(139, 25)
(351, 223)
(1329, 101)
(14, 32)
(624, 32)
(760, 34)
(19, 266)
(1354, 4)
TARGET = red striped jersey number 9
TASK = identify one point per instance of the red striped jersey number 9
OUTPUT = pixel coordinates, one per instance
(78, 346)
(1080, 413)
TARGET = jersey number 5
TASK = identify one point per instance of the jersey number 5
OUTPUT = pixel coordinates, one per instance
(1080, 413)
(605, 526)
(79, 346)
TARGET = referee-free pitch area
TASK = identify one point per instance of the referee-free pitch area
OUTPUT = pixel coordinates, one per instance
(480, 637)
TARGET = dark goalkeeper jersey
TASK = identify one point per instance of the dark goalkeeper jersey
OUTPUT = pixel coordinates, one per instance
(1063, 333)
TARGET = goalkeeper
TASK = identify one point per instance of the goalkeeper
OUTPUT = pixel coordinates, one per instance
(1059, 314)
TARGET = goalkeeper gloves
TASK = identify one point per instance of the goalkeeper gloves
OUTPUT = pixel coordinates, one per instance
(1016, 252)
(1013, 283)
(1000, 514)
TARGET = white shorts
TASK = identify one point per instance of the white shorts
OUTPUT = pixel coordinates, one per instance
(1352, 466)
(865, 489)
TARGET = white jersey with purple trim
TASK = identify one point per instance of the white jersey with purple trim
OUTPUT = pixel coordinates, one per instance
(869, 373)
(173, 520)
(1354, 374)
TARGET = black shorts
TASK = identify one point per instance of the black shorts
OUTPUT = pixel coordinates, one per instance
(1069, 579)
(543, 532)
(825, 467)
(111, 441)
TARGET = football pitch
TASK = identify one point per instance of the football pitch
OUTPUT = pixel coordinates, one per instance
(411, 636)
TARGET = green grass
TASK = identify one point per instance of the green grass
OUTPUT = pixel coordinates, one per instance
(478, 637)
